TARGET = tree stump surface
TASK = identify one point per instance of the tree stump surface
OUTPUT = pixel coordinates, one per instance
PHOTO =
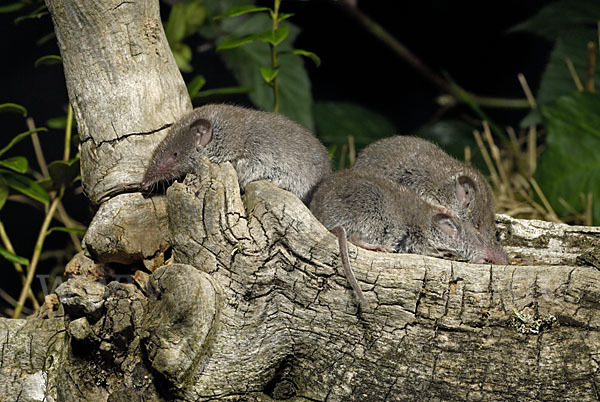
(257, 307)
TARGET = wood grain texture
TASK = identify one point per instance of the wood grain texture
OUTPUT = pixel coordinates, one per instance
(257, 307)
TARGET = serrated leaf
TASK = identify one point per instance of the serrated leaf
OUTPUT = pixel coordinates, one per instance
(66, 230)
(306, 53)
(49, 60)
(12, 257)
(3, 194)
(241, 10)
(64, 172)
(175, 27)
(11, 8)
(16, 163)
(195, 85)
(570, 163)
(25, 185)
(561, 16)
(269, 73)
(556, 79)
(13, 108)
(20, 137)
(295, 99)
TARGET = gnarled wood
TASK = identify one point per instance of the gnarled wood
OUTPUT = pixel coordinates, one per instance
(257, 306)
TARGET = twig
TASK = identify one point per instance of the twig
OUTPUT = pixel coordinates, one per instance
(351, 150)
(532, 150)
(574, 74)
(527, 90)
(496, 156)
(591, 66)
(487, 159)
(544, 200)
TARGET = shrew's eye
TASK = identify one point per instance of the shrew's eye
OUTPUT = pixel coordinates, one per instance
(175, 154)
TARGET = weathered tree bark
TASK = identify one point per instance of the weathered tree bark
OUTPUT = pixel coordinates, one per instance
(126, 90)
(256, 306)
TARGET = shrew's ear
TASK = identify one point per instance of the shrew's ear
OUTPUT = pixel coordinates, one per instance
(446, 225)
(202, 130)
(465, 191)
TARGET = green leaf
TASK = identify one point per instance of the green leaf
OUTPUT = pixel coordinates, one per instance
(49, 60)
(237, 42)
(66, 230)
(295, 99)
(275, 37)
(561, 16)
(453, 136)
(284, 17)
(12, 257)
(13, 108)
(175, 27)
(19, 137)
(240, 10)
(26, 186)
(269, 73)
(570, 163)
(57, 123)
(37, 13)
(16, 163)
(557, 80)
(222, 91)
(306, 53)
(45, 38)
(195, 14)
(336, 121)
(183, 55)
(64, 172)
(11, 8)
(195, 85)
(3, 194)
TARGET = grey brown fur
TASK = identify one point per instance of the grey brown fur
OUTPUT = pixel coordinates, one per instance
(436, 177)
(260, 145)
(385, 213)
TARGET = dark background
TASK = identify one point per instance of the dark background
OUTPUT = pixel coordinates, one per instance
(467, 39)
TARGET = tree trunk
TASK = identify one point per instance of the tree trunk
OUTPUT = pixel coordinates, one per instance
(257, 307)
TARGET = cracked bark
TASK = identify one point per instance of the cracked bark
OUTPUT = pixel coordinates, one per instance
(257, 307)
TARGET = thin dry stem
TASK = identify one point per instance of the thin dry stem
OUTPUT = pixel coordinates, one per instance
(527, 91)
(574, 74)
(487, 159)
(532, 150)
(591, 66)
(549, 210)
(496, 155)
(351, 150)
